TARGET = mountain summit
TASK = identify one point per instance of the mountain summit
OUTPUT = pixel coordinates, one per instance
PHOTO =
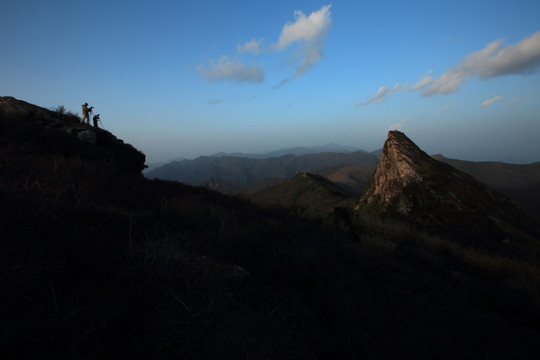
(410, 185)
(61, 131)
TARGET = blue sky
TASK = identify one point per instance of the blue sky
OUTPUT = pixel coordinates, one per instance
(190, 78)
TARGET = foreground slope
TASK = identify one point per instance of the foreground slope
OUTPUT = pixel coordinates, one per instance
(98, 262)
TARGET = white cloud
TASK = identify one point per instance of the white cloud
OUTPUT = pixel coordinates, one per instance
(253, 46)
(489, 102)
(381, 94)
(447, 106)
(309, 32)
(493, 60)
(426, 80)
(225, 69)
(398, 87)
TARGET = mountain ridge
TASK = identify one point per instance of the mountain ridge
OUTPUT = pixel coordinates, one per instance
(521, 182)
(410, 185)
(297, 150)
(243, 171)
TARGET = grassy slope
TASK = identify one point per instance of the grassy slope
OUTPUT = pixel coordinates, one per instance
(307, 195)
(99, 263)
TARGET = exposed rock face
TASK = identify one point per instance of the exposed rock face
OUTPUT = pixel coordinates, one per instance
(66, 133)
(398, 167)
(412, 186)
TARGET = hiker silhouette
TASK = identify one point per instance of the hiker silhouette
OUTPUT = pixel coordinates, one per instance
(86, 113)
(96, 120)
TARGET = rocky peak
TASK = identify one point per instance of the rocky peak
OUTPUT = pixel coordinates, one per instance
(410, 185)
(401, 163)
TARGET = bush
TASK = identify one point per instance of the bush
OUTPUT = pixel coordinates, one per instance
(64, 114)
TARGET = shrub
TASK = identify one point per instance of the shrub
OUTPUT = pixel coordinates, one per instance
(64, 114)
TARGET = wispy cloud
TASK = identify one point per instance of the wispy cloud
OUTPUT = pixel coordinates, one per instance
(489, 102)
(224, 69)
(378, 98)
(381, 94)
(447, 106)
(517, 100)
(215, 101)
(426, 80)
(253, 46)
(400, 125)
(492, 61)
(309, 32)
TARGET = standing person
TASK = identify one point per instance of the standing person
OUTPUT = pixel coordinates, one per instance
(86, 113)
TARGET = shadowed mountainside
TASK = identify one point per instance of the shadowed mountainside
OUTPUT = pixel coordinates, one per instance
(521, 182)
(351, 179)
(97, 262)
(307, 195)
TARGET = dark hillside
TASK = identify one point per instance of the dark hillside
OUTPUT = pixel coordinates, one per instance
(351, 178)
(521, 182)
(308, 195)
(59, 132)
(98, 262)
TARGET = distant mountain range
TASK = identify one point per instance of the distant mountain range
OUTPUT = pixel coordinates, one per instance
(298, 150)
(244, 171)
(248, 173)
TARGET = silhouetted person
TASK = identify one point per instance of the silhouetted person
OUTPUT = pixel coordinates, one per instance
(96, 120)
(86, 113)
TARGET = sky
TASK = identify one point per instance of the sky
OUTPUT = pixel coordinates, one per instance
(191, 78)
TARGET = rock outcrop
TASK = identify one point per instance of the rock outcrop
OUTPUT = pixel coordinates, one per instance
(62, 131)
(410, 185)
